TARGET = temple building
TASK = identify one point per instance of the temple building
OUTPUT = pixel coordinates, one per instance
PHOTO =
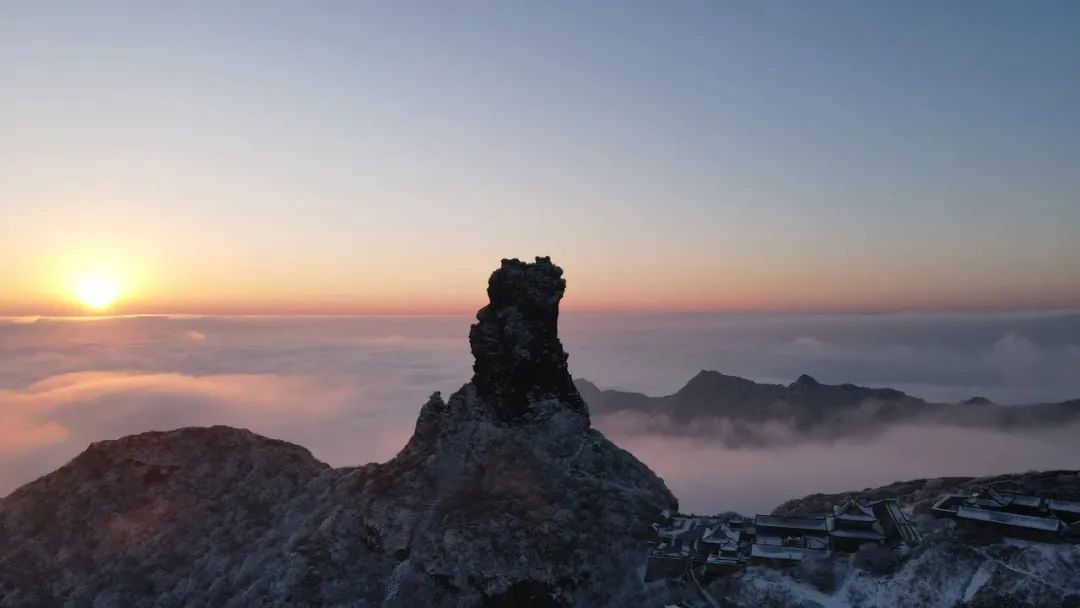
(720, 545)
(1013, 514)
(853, 524)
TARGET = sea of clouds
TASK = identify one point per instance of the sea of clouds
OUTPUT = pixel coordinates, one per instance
(349, 388)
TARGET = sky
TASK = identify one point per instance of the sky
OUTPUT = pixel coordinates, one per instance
(349, 388)
(381, 157)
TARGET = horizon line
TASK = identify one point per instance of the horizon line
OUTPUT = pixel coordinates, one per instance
(93, 316)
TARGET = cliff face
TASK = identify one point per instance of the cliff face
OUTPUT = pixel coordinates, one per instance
(504, 496)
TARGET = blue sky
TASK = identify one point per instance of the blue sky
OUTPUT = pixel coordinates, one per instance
(320, 156)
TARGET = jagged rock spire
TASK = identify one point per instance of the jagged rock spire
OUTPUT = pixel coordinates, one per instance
(518, 356)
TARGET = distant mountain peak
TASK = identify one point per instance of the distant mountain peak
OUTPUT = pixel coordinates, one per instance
(712, 380)
(585, 383)
(805, 382)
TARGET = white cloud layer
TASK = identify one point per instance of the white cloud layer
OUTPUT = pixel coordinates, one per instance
(349, 388)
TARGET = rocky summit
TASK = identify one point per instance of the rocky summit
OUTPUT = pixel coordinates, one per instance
(515, 342)
(504, 496)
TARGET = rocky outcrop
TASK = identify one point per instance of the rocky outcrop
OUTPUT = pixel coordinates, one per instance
(519, 361)
(505, 492)
(504, 496)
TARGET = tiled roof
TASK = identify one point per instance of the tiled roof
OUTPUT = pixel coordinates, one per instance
(1008, 519)
(817, 524)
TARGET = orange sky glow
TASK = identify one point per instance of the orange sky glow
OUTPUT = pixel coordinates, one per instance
(455, 286)
(194, 160)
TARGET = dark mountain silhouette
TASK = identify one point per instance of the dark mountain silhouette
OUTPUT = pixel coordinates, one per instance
(734, 409)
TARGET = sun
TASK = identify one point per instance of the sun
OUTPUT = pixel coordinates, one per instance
(97, 291)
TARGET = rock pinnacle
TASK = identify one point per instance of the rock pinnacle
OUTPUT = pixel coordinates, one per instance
(519, 359)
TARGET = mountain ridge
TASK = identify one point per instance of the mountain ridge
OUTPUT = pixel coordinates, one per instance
(737, 410)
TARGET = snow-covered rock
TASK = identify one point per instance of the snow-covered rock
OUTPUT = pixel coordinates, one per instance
(943, 572)
(948, 568)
